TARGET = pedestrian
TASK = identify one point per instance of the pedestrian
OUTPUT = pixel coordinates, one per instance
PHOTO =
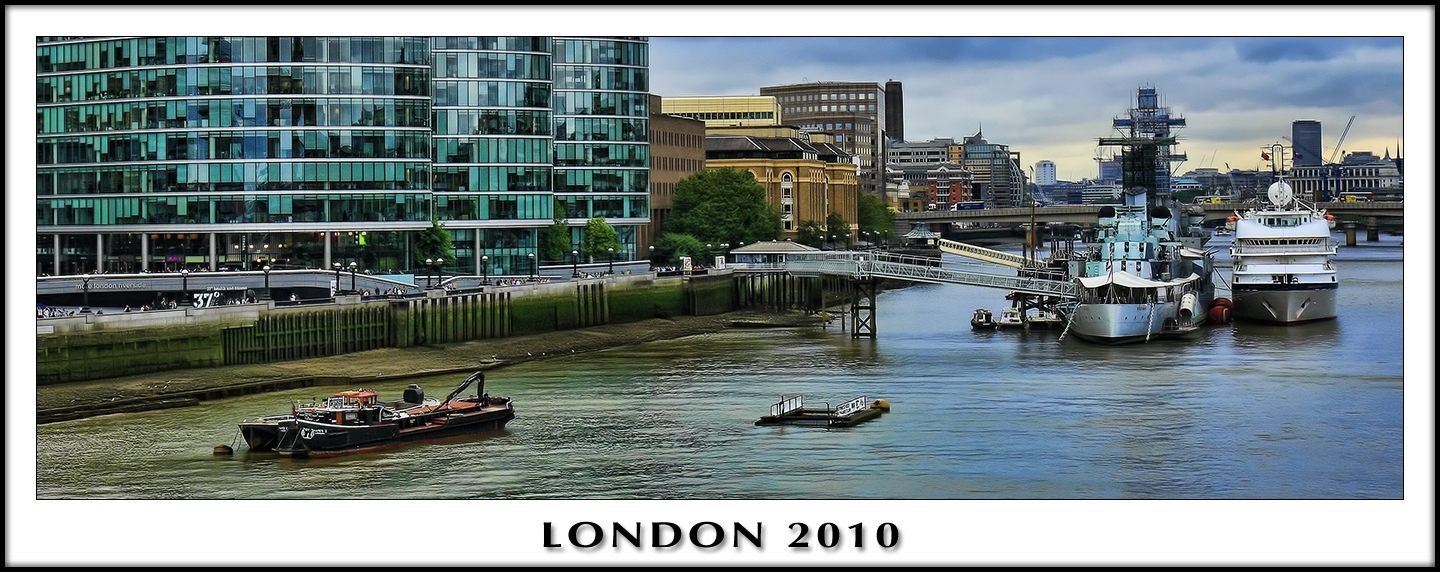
(127, 307)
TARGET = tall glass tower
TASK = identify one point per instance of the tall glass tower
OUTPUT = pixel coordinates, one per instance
(494, 140)
(234, 153)
(602, 127)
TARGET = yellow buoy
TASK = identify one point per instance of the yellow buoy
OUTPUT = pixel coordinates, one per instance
(881, 404)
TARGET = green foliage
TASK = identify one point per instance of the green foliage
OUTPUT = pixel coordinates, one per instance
(838, 229)
(433, 243)
(672, 245)
(811, 233)
(554, 240)
(875, 217)
(599, 238)
(723, 206)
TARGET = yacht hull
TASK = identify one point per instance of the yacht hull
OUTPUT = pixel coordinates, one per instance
(1285, 305)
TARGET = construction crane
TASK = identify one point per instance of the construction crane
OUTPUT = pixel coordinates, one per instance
(1342, 140)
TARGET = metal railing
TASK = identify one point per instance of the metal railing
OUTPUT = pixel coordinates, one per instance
(984, 254)
(861, 265)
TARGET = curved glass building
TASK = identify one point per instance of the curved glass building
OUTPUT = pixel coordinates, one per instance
(230, 153)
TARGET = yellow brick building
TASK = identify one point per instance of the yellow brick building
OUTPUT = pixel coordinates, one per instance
(805, 180)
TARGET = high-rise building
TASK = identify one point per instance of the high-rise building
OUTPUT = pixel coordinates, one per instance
(997, 178)
(602, 113)
(1305, 134)
(853, 112)
(302, 152)
(894, 111)
(1045, 172)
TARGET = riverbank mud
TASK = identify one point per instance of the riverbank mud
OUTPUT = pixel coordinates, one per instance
(62, 402)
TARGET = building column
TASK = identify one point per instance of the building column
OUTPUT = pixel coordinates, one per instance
(478, 254)
(55, 254)
(99, 253)
(144, 252)
(212, 252)
(325, 236)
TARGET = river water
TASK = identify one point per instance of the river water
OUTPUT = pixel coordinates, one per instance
(1241, 411)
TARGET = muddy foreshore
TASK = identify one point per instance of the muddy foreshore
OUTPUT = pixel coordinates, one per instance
(179, 388)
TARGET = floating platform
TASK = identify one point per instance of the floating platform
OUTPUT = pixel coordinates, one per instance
(791, 411)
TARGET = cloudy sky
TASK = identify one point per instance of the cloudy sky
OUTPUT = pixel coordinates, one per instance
(1052, 97)
(1046, 81)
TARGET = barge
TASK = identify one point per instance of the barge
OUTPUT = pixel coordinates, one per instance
(354, 421)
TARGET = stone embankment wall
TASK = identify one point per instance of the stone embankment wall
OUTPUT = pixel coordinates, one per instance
(98, 347)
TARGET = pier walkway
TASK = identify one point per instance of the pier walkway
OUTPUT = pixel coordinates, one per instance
(862, 265)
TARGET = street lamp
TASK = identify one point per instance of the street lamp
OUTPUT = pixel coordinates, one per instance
(439, 270)
(85, 285)
(337, 277)
(485, 262)
(429, 262)
(185, 285)
(574, 263)
(533, 268)
(266, 270)
(652, 254)
(611, 250)
(353, 266)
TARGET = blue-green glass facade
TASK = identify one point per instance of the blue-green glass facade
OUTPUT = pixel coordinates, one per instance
(235, 152)
(602, 153)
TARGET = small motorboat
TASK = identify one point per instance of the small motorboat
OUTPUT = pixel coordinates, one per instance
(982, 320)
(1010, 319)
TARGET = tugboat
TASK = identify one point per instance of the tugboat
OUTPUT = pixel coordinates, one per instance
(353, 421)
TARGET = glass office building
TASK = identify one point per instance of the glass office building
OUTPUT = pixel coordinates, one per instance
(229, 153)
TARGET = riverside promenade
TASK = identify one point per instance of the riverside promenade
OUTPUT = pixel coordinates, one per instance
(65, 401)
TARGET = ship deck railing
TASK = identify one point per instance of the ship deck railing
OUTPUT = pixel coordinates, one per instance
(1259, 250)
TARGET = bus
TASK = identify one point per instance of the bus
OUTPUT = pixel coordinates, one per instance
(1356, 197)
(967, 205)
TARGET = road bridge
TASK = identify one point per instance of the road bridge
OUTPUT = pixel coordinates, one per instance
(1088, 214)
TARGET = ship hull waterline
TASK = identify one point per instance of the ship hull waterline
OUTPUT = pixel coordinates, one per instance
(1116, 324)
(1284, 306)
(312, 439)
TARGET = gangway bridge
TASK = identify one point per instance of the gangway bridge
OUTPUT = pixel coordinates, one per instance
(864, 269)
(986, 255)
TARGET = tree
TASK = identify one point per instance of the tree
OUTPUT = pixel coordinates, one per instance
(671, 246)
(875, 217)
(723, 206)
(434, 244)
(554, 240)
(600, 237)
(837, 228)
(811, 233)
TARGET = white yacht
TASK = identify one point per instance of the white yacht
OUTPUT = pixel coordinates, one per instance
(1283, 272)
